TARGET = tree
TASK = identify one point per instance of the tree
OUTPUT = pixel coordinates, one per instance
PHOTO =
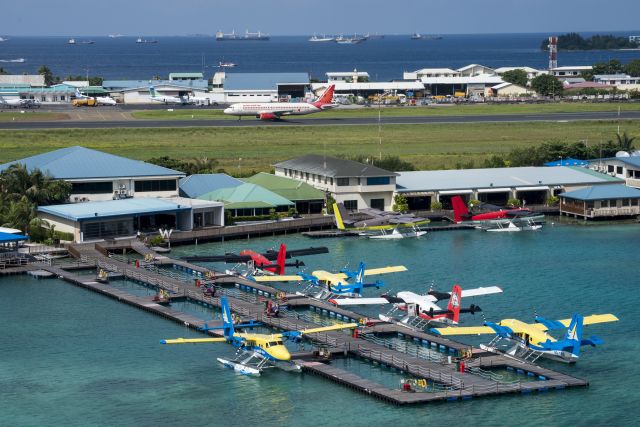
(3, 72)
(517, 77)
(624, 142)
(547, 85)
(633, 68)
(400, 203)
(613, 66)
(48, 75)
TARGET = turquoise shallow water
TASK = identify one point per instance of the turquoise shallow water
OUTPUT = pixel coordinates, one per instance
(73, 357)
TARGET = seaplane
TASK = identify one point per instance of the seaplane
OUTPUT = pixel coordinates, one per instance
(461, 214)
(377, 220)
(261, 263)
(509, 226)
(332, 285)
(18, 103)
(398, 233)
(528, 341)
(255, 351)
(423, 309)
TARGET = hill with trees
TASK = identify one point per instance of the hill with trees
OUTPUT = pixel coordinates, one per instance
(574, 41)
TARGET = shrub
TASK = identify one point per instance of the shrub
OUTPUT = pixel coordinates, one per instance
(475, 203)
(552, 200)
(514, 203)
(156, 240)
(436, 206)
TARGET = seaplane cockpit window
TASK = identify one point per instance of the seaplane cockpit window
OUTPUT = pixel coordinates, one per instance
(279, 343)
(273, 343)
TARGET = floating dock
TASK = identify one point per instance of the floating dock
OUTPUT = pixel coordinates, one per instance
(431, 358)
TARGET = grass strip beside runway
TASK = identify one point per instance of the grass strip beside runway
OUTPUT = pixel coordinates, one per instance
(433, 146)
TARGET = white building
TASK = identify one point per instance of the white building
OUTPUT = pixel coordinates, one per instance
(264, 87)
(31, 80)
(355, 184)
(627, 168)
(616, 79)
(509, 90)
(475, 70)
(347, 76)
(531, 72)
(95, 175)
(471, 85)
(570, 71)
(430, 72)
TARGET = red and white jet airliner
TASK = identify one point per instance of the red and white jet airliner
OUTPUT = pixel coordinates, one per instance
(275, 110)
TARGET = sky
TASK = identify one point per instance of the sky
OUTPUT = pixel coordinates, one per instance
(304, 17)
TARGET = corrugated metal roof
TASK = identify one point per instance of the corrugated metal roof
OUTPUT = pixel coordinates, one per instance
(286, 187)
(115, 85)
(343, 86)
(250, 195)
(112, 208)
(603, 192)
(497, 178)
(198, 184)
(333, 167)
(29, 80)
(478, 79)
(80, 162)
(185, 76)
(262, 81)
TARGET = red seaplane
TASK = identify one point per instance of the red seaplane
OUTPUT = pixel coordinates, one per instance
(461, 213)
(263, 261)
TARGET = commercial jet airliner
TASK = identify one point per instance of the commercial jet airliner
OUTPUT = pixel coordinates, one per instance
(275, 110)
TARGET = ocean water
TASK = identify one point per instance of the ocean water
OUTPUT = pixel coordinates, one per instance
(73, 357)
(385, 59)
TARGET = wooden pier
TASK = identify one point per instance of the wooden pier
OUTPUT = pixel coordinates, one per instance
(431, 359)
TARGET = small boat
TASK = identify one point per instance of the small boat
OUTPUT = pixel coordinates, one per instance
(2, 39)
(87, 42)
(115, 36)
(162, 297)
(418, 36)
(17, 60)
(260, 36)
(160, 249)
(324, 38)
(397, 234)
(103, 276)
(349, 40)
(226, 64)
(71, 41)
(140, 40)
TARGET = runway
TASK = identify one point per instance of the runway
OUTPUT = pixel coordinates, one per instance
(319, 121)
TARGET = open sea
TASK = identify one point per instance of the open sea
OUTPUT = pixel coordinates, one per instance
(75, 358)
(386, 59)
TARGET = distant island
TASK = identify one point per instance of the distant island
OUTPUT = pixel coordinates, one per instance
(574, 41)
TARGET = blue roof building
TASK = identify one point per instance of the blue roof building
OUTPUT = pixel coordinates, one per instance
(96, 175)
(603, 201)
(198, 184)
(568, 162)
(124, 217)
(120, 85)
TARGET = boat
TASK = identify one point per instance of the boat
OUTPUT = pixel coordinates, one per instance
(223, 64)
(418, 36)
(162, 297)
(397, 234)
(17, 60)
(74, 41)
(87, 42)
(115, 36)
(71, 41)
(103, 276)
(349, 40)
(144, 41)
(324, 38)
(259, 36)
(2, 39)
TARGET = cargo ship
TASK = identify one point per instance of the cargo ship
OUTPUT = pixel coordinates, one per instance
(247, 36)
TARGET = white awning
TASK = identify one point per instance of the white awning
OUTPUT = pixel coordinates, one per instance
(494, 190)
(538, 188)
(447, 192)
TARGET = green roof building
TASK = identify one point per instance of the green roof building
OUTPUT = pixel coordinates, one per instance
(248, 200)
(308, 200)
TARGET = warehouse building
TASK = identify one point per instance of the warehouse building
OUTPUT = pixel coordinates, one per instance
(264, 87)
(532, 185)
(596, 202)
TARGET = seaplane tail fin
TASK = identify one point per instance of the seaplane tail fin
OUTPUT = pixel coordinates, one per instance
(338, 213)
(361, 273)
(227, 322)
(453, 308)
(325, 98)
(573, 336)
(459, 209)
(152, 91)
(281, 260)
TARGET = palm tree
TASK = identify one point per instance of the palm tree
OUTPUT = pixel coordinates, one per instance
(625, 142)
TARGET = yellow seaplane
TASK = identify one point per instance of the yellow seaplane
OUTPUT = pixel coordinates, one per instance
(255, 351)
(337, 284)
(531, 340)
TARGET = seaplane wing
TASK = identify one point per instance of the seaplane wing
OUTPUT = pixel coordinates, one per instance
(550, 325)
(374, 271)
(464, 330)
(359, 301)
(329, 328)
(326, 276)
(292, 278)
(488, 290)
(192, 340)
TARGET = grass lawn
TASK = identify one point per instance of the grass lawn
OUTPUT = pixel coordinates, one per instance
(432, 146)
(438, 110)
(30, 116)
